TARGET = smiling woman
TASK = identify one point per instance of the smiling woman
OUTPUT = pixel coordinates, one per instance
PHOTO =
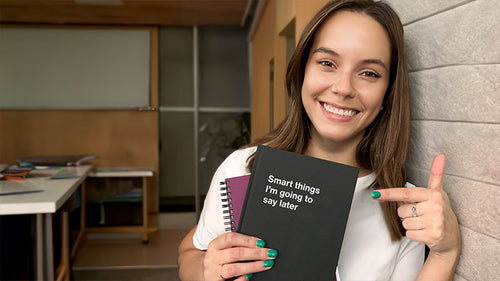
(347, 86)
(345, 79)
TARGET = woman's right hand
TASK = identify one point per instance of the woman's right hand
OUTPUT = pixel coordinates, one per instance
(234, 254)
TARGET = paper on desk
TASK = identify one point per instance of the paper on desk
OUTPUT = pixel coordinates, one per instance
(16, 187)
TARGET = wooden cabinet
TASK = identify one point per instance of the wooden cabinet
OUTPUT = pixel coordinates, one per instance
(118, 200)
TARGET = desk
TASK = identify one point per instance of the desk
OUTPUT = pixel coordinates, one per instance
(43, 205)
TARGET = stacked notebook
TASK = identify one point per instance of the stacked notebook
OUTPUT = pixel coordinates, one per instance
(233, 192)
(16, 173)
(299, 205)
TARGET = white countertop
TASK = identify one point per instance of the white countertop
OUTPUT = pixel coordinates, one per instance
(53, 195)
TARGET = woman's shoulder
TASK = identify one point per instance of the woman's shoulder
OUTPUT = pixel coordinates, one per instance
(369, 180)
(242, 153)
(235, 164)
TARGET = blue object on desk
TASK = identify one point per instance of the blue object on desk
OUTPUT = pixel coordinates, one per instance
(64, 176)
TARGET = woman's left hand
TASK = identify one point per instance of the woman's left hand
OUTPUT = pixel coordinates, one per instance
(429, 218)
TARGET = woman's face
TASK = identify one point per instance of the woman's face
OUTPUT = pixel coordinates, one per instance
(346, 77)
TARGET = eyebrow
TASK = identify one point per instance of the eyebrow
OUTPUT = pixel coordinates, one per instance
(335, 54)
(326, 50)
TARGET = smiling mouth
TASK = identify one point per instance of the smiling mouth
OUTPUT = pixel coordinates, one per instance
(340, 111)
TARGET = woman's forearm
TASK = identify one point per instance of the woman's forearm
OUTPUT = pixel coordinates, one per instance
(438, 267)
(190, 259)
(191, 265)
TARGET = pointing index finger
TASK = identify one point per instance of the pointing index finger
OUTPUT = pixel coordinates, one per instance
(402, 194)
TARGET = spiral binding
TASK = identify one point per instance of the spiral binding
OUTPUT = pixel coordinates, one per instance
(227, 206)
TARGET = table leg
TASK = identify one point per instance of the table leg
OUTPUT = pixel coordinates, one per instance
(81, 233)
(44, 247)
(39, 247)
(49, 249)
(145, 223)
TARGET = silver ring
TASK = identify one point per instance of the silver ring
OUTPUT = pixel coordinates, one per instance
(414, 210)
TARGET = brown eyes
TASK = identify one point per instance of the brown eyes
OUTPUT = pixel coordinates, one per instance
(370, 74)
(329, 64)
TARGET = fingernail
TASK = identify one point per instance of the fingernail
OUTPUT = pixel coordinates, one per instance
(261, 243)
(376, 194)
(249, 275)
(268, 263)
(272, 253)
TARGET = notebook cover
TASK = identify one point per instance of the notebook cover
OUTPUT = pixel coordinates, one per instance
(299, 205)
(233, 192)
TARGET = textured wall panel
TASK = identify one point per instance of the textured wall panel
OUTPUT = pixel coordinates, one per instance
(480, 259)
(472, 149)
(454, 56)
(458, 277)
(410, 11)
(459, 93)
(465, 35)
(471, 201)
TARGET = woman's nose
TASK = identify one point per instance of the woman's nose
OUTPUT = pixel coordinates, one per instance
(342, 84)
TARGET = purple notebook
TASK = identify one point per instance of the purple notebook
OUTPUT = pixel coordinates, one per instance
(233, 191)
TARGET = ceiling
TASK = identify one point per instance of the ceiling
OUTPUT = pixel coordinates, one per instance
(127, 12)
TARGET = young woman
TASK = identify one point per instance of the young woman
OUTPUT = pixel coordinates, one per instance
(347, 84)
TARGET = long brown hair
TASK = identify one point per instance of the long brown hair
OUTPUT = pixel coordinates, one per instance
(384, 146)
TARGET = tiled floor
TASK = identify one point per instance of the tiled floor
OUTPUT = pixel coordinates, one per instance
(127, 258)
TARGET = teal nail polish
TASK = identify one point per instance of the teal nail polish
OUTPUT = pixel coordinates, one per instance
(268, 263)
(272, 253)
(261, 243)
(376, 194)
(249, 275)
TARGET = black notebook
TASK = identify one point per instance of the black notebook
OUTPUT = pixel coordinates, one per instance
(299, 205)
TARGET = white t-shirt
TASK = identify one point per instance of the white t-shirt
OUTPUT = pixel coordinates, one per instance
(367, 250)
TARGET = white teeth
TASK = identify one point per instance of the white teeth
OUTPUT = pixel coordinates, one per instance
(341, 112)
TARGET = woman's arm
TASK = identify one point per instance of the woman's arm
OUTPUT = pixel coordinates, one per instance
(439, 267)
(440, 231)
(190, 259)
(229, 255)
(430, 220)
